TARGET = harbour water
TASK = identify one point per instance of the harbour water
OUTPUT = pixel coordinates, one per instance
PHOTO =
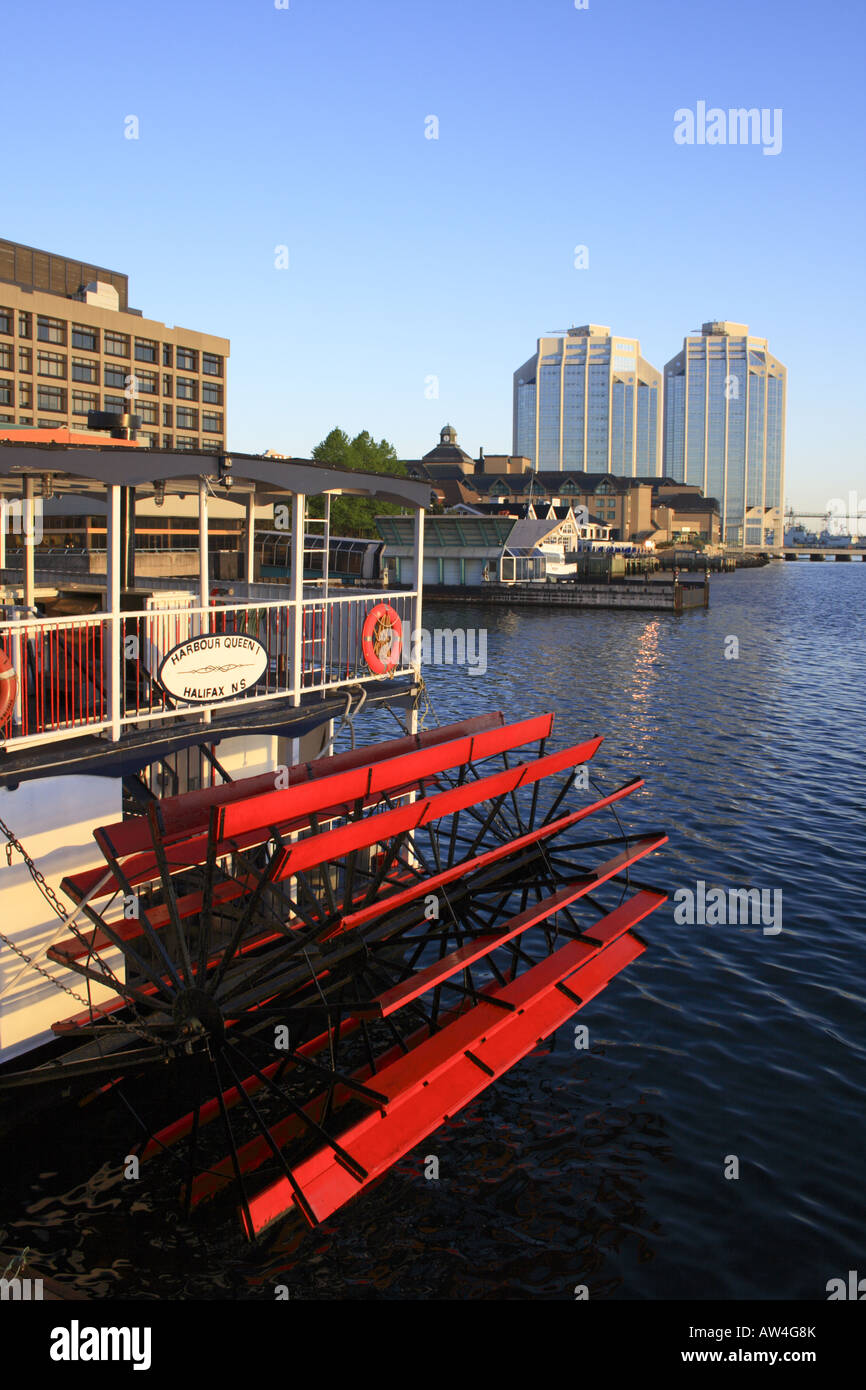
(605, 1167)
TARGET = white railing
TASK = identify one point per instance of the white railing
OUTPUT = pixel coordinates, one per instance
(99, 672)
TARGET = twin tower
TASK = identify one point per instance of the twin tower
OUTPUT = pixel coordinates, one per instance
(588, 401)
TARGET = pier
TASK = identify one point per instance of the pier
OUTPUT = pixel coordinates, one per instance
(657, 594)
(817, 553)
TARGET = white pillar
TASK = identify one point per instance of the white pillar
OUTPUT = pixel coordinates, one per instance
(3, 514)
(250, 536)
(114, 663)
(203, 581)
(29, 527)
(203, 576)
(419, 586)
(296, 582)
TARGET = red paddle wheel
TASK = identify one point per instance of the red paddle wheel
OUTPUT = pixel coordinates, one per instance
(329, 963)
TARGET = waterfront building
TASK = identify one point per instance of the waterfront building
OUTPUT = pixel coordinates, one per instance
(622, 504)
(683, 513)
(472, 548)
(70, 344)
(589, 400)
(724, 429)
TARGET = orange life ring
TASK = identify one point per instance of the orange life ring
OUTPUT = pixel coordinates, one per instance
(8, 686)
(382, 639)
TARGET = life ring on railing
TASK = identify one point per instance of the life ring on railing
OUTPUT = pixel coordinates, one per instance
(8, 686)
(382, 639)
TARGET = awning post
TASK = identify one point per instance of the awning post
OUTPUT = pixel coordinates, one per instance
(296, 644)
(203, 550)
(250, 536)
(112, 595)
(29, 530)
(419, 585)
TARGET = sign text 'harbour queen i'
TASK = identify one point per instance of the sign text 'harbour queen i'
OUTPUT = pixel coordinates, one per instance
(215, 666)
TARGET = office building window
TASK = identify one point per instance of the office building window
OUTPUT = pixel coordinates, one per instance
(50, 330)
(166, 354)
(149, 412)
(7, 357)
(145, 350)
(7, 321)
(25, 360)
(149, 441)
(166, 384)
(84, 401)
(25, 419)
(147, 383)
(184, 442)
(25, 324)
(211, 422)
(166, 417)
(84, 370)
(187, 360)
(211, 364)
(187, 389)
(85, 337)
(25, 395)
(51, 398)
(7, 419)
(51, 364)
(115, 344)
(186, 419)
(167, 441)
(7, 387)
(211, 393)
(118, 405)
(115, 376)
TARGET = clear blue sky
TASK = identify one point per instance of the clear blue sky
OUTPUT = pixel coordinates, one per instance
(412, 257)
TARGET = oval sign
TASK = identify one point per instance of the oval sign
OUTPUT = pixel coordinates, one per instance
(215, 666)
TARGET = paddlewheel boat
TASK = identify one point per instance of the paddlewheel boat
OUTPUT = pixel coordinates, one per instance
(293, 968)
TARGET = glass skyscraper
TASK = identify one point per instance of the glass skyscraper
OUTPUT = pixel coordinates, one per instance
(724, 429)
(589, 401)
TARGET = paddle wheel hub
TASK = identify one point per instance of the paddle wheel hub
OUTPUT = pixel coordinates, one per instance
(198, 1017)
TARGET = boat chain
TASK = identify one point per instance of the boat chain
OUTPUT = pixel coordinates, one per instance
(52, 899)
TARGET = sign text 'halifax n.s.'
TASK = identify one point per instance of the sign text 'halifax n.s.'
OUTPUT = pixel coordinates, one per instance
(215, 666)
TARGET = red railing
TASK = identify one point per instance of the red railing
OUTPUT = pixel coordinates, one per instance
(59, 671)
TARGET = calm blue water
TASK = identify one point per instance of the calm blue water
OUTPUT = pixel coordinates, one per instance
(606, 1167)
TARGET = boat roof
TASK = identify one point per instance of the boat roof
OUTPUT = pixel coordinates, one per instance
(90, 472)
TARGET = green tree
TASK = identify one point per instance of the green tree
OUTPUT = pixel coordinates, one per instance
(356, 516)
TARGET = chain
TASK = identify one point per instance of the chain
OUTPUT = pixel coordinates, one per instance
(38, 877)
(51, 897)
(34, 965)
